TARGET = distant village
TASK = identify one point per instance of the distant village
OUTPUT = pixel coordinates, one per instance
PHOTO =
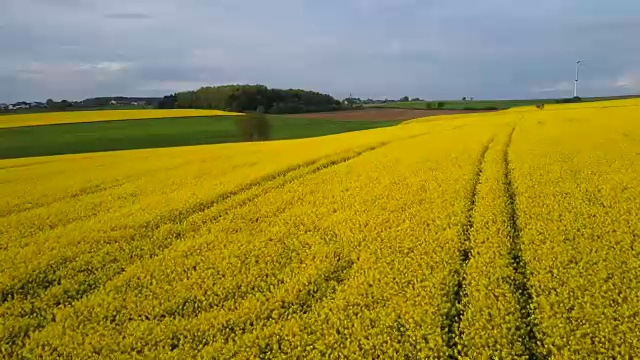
(23, 105)
(130, 102)
(115, 102)
(87, 103)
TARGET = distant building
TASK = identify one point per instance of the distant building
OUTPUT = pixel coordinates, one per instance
(38, 104)
(128, 102)
(19, 105)
(123, 102)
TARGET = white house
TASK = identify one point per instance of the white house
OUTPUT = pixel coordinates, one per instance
(18, 105)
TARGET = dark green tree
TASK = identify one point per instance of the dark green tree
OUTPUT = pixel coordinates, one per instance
(168, 102)
(253, 127)
(248, 98)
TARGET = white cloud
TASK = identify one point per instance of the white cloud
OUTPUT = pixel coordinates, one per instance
(108, 66)
(51, 71)
(557, 87)
(72, 80)
(630, 81)
(171, 86)
(128, 16)
(376, 6)
(433, 49)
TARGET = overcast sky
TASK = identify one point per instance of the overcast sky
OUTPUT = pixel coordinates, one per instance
(434, 49)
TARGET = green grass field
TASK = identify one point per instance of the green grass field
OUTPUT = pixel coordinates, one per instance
(483, 104)
(156, 133)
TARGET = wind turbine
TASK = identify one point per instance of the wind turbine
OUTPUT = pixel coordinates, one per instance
(575, 88)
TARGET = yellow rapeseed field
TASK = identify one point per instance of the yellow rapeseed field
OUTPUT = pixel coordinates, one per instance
(67, 117)
(510, 235)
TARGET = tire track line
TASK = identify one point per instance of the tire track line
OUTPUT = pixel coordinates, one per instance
(78, 194)
(531, 340)
(324, 285)
(455, 311)
(180, 217)
(82, 192)
(29, 292)
(272, 181)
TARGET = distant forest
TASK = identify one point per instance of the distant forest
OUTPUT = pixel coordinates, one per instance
(252, 98)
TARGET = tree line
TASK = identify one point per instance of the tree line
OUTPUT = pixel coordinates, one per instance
(252, 98)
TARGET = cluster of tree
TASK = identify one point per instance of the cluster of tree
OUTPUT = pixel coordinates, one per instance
(58, 105)
(353, 102)
(250, 98)
(357, 102)
(576, 99)
(167, 102)
(434, 105)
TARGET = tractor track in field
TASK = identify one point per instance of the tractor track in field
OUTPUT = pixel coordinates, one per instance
(28, 290)
(271, 182)
(322, 287)
(531, 339)
(148, 229)
(455, 311)
(85, 191)
(75, 195)
(25, 165)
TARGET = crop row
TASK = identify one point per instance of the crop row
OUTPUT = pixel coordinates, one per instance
(490, 326)
(577, 189)
(494, 236)
(62, 250)
(310, 269)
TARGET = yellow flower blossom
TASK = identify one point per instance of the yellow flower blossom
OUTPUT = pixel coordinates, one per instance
(499, 235)
(68, 117)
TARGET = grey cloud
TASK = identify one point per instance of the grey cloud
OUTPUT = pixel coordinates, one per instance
(615, 24)
(58, 3)
(562, 86)
(629, 80)
(372, 48)
(128, 16)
